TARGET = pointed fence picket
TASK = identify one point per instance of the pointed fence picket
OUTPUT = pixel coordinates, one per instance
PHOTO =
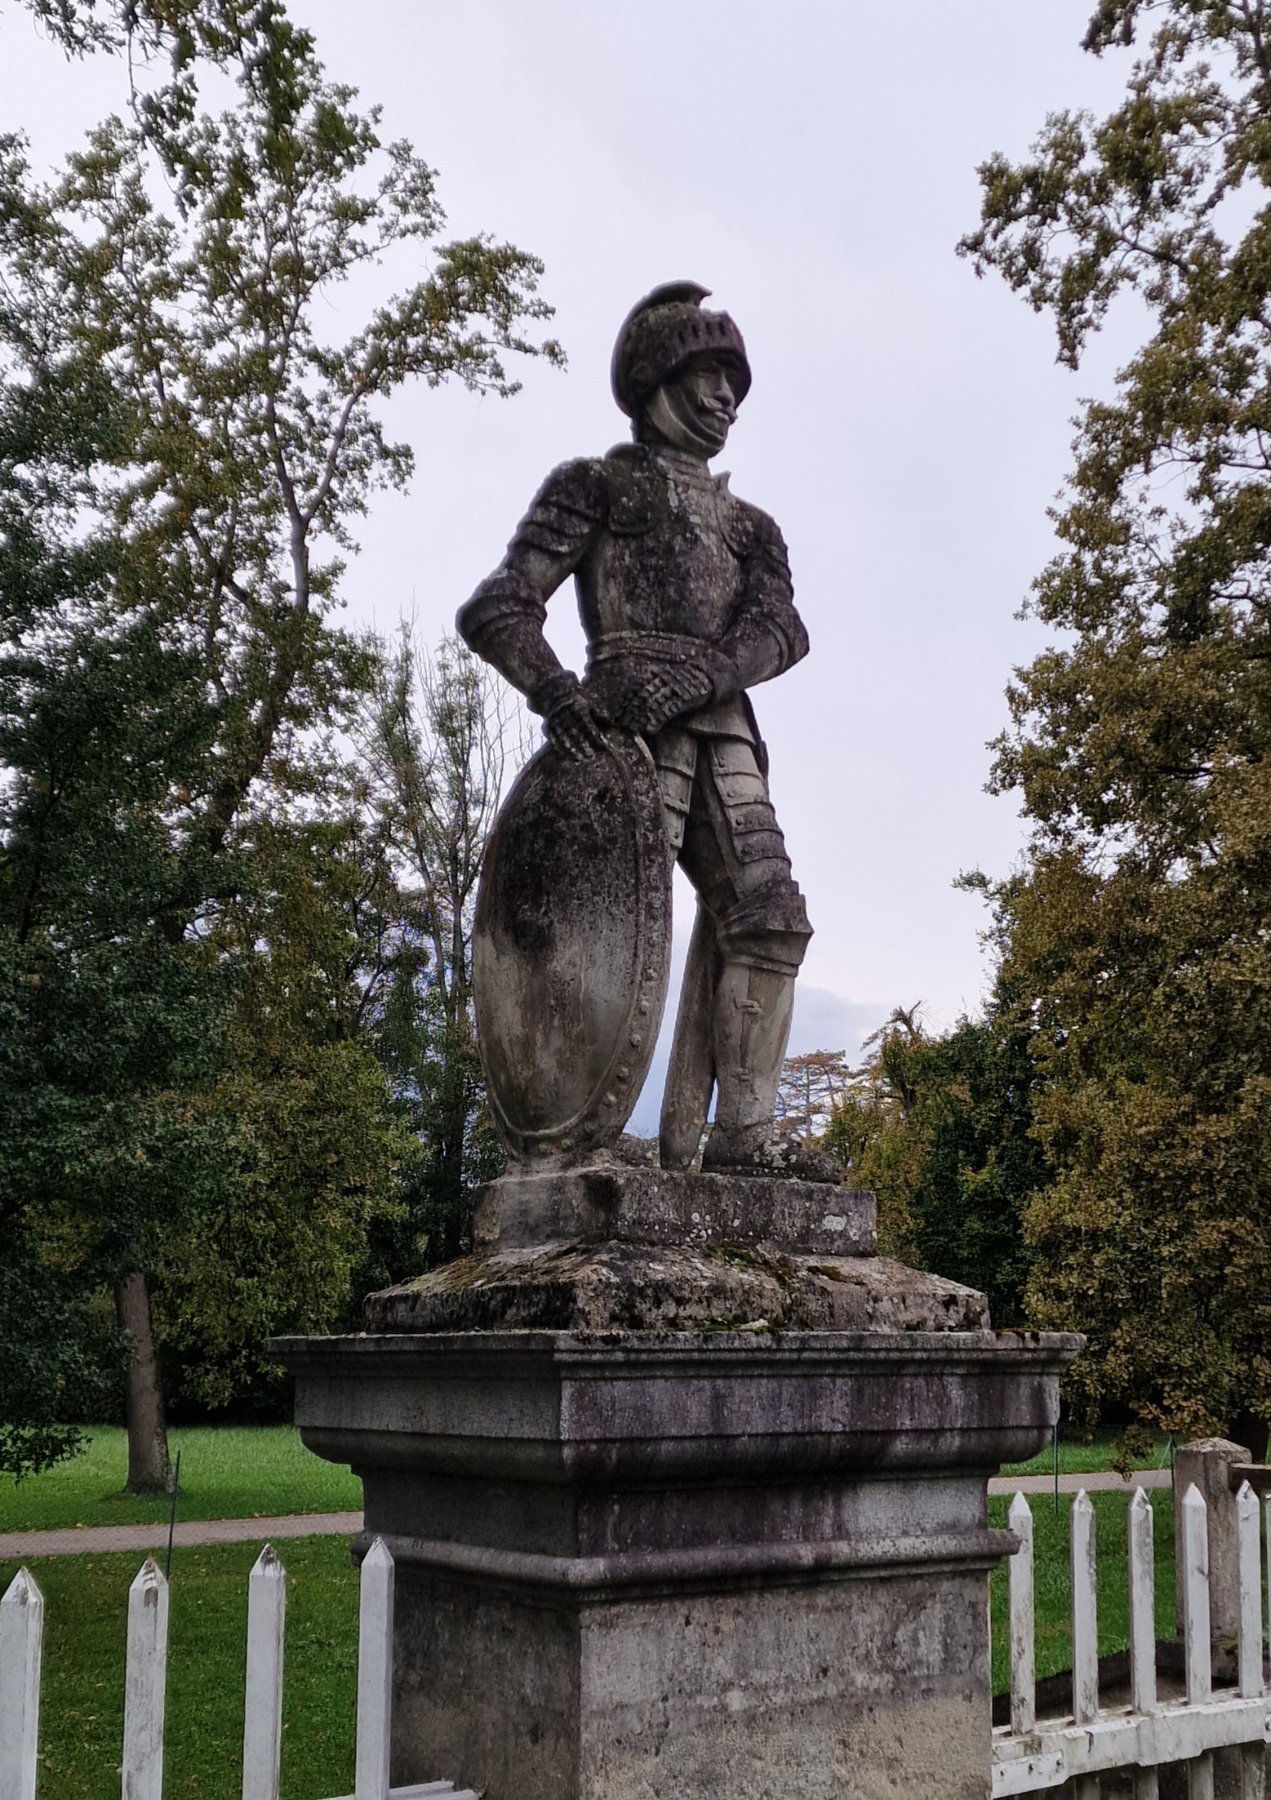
(1023, 1621)
(145, 1683)
(1085, 1628)
(1197, 1663)
(262, 1713)
(1249, 1651)
(21, 1646)
(1141, 1583)
(1037, 1756)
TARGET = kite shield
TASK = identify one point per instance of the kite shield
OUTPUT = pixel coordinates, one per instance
(571, 951)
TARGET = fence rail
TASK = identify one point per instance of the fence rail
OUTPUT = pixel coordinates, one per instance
(145, 1685)
(1032, 1756)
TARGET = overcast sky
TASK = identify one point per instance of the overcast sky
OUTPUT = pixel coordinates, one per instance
(813, 163)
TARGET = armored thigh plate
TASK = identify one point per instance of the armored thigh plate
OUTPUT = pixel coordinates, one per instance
(571, 952)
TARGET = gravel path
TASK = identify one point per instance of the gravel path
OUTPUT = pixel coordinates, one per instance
(85, 1539)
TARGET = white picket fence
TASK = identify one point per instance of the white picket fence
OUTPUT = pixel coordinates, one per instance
(1033, 1755)
(21, 1644)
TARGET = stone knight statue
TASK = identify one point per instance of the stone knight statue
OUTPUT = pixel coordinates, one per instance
(685, 596)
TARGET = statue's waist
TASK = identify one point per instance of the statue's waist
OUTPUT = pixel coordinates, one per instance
(616, 658)
(646, 646)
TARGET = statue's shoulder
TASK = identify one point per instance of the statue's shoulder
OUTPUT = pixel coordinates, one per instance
(631, 479)
(579, 486)
(748, 528)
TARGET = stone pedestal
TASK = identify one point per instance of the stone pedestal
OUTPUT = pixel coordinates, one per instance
(641, 1563)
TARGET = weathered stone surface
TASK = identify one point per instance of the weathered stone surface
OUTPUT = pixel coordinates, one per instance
(713, 1408)
(745, 1695)
(685, 1486)
(571, 948)
(639, 1287)
(1206, 1464)
(643, 1204)
(643, 1566)
(620, 1248)
(686, 601)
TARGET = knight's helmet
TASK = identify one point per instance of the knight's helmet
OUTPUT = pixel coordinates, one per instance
(664, 331)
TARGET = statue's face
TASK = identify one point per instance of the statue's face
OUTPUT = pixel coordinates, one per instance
(695, 409)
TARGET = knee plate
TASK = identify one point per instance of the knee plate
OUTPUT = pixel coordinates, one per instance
(767, 927)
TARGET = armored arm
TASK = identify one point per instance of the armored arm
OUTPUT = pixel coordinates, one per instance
(765, 635)
(503, 621)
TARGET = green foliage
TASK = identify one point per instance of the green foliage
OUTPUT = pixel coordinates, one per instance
(184, 453)
(110, 1024)
(436, 737)
(939, 1129)
(54, 1365)
(1139, 746)
(810, 1088)
(318, 1152)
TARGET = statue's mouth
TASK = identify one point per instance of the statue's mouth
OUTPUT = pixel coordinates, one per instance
(715, 422)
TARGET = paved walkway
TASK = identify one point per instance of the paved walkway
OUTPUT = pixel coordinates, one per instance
(84, 1540)
(1097, 1481)
(81, 1540)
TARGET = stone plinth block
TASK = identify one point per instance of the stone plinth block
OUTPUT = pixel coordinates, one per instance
(635, 1204)
(667, 1566)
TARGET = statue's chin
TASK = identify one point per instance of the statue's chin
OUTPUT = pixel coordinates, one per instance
(698, 434)
(699, 443)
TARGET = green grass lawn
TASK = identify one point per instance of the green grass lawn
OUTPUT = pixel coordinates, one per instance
(230, 1472)
(227, 1472)
(1077, 1457)
(84, 1631)
(1050, 1538)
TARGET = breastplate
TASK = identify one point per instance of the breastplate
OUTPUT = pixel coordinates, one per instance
(665, 562)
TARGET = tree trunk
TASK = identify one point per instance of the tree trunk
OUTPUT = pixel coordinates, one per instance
(149, 1471)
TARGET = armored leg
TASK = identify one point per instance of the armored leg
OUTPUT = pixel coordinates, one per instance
(735, 1013)
(690, 1075)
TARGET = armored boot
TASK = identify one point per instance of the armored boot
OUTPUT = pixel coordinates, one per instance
(753, 1009)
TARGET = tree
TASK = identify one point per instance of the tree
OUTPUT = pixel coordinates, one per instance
(940, 1129)
(811, 1086)
(436, 739)
(109, 1027)
(222, 447)
(1140, 744)
(318, 1153)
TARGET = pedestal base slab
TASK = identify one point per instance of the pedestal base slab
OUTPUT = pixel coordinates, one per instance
(640, 1287)
(641, 1566)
